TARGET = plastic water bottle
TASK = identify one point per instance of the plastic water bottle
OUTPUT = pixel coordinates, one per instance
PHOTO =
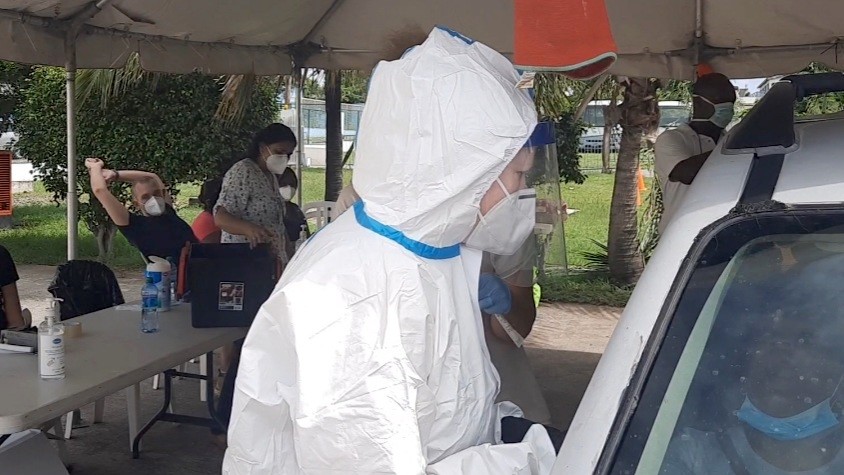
(159, 269)
(149, 307)
(51, 345)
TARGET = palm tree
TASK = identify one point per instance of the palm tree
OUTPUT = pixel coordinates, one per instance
(639, 116)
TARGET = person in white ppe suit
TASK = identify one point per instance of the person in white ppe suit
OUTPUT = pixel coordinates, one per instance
(506, 290)
(369, 356)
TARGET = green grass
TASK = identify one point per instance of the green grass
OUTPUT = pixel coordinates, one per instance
(587, 288)
(592, 199)
(591, 222)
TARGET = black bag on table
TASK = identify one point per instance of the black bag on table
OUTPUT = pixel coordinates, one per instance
(228, 283)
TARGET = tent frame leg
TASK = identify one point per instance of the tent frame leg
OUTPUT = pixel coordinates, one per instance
(74, 26)
(72, 198)
(300, 157)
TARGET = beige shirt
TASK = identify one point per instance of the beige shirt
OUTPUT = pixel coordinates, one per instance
(672, 147)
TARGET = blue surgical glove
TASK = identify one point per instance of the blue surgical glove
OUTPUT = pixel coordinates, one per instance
(494, 295)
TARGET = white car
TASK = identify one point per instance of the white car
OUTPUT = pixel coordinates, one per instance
(729, 356)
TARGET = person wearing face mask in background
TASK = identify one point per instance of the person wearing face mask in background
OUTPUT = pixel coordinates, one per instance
(369, 355)
(250, 208)
(294, 218)
(156, 230)
(680, 153)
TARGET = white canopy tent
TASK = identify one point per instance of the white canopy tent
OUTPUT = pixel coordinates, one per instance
(660, 38)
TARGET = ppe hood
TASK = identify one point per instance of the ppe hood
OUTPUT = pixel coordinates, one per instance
(439, 125)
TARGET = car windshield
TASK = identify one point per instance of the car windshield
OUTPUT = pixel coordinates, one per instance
(747, 378)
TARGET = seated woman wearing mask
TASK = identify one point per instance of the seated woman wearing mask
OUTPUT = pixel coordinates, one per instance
(294, 218)
(250, 208)
(157, 230)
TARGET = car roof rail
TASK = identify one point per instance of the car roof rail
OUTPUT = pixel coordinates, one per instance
(806, 85)
(768, 129)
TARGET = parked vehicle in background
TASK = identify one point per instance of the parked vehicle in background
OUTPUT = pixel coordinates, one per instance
(672, 114)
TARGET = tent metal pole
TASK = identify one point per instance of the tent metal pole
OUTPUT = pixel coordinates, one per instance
(72, 199)
(72, 33)
(698, 41)
(300, 157)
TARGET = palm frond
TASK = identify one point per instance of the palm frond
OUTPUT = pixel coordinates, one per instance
(597, 260)
(108, 84)
(235, 97)
(651, 214)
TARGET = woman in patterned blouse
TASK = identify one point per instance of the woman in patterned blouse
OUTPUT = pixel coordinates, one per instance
(250, 208)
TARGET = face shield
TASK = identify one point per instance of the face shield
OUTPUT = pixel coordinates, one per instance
(544, 178)
(507, 215)
(514, 240)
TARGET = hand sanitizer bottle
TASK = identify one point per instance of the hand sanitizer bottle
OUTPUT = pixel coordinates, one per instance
(51, 344)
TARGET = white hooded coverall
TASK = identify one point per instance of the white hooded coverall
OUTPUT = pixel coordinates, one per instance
(369, 357)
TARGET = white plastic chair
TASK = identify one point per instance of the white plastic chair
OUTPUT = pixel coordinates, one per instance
(99, 408)
(319, 211)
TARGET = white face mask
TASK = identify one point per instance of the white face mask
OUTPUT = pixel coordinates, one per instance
(287, 192)
(155, 206)
(506, 226)
(276, 163)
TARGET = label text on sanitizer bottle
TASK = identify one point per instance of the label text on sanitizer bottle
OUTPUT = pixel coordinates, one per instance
(51, 356)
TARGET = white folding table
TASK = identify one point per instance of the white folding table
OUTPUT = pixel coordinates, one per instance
(111, 354)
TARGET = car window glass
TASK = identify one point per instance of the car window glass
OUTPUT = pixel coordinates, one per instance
(752, 360)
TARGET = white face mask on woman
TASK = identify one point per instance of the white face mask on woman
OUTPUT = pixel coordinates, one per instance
(507, 224)
(287, 192)
(276, 162)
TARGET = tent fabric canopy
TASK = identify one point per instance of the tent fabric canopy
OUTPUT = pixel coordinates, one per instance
(739, 38)
(658, 38)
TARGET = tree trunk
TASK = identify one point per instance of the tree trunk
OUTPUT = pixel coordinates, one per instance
(105, 239)
(606, 149)
(637, 117)
(333, 136)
